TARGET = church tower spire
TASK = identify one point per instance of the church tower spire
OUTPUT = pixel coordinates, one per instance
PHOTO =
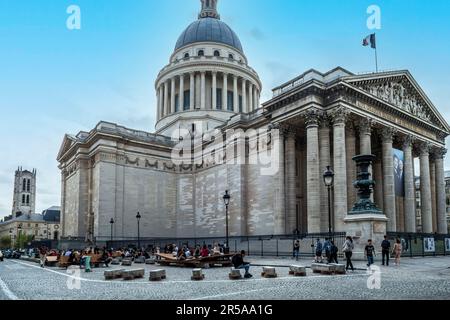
(209, 9)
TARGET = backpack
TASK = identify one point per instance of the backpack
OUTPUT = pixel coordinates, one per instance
(334, 249)
(319, 246)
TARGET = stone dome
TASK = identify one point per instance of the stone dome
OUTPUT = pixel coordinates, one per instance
(209, 30)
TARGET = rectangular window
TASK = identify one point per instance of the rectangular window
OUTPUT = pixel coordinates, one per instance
(187, 100)
(28, 185)
(240, 104)
(24, 185)
(219, 99)
(23, 199)
(177, 103)
(230, 101)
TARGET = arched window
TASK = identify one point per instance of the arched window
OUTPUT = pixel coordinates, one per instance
(201, 53)
(186, 55)
(28, 185)
(230, 56)
(28, 199)
(23, 199)
(24, 185)
(216, 53)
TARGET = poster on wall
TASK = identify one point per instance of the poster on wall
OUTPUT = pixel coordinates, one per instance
(447, 244)
(429, 245)
(399, 175)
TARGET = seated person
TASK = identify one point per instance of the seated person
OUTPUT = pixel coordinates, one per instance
(181, 255)
(106, 258)
(204, 252)
(197, 251)
(239, 263)
(216, 250)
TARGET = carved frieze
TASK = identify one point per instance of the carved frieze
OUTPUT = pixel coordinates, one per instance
(398, 94)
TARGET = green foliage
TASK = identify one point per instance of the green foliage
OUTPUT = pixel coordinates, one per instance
(5, 242)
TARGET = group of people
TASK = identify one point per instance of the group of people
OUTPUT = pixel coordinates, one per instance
(331, 251)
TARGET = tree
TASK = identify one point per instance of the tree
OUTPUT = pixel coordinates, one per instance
(5, 242)
(22, 240)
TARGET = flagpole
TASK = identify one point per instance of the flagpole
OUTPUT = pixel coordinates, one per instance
(376, 54)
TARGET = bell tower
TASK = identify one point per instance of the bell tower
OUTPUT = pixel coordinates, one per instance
(209, 9)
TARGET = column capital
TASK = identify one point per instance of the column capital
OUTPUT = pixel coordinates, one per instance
(339, 115)
(387, 134)
(365, 125)
(192, 73)
(324, 120)
(312, 117)
(408, 141)
(439, 153)
(214, 73)
(424, 149)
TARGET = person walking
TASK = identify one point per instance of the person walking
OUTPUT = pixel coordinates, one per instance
(348, 251)
(43, 256)
(318, 251)
(397, 251)
(369, 252)
(333, 252)
(327, 248)
(296, 252)
(385, 251)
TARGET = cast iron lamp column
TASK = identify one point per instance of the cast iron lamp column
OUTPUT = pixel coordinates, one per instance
(328, 178)
(226, 201)
(138, 217)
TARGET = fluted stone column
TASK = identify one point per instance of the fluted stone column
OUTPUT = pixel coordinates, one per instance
(440, 192)
(378, 176)
(425, 189)
(365, 138)
(181, 94)
(291, 185)
(172, 95)
(324, 160)
(244, 96)
(192, 91)
(410, 189)
(388, 179)
(214, 90)
(433, 193)
(255, 98)
(166, 99)
(280, 195)
(313, 180)
(235, 94)
(258, 95)
(340, 168)
(225, 92)
(203, 91)
(250, 97)
(160, 102)
(350, 144)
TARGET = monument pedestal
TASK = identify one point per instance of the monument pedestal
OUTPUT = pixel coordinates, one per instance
(362, 227)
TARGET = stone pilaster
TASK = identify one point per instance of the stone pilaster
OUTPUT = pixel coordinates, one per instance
(313, 180)
(350, 144)
(440, 191)
(250, 97)
(388, 179)
(339, 116)
(166, 99)
(410, 192)
(291, 185)
(425, 189)
(324, 160)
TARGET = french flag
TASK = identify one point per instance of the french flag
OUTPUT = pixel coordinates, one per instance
(370, 40)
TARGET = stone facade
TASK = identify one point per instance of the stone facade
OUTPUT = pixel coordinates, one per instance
(315, 120)
(24, 198)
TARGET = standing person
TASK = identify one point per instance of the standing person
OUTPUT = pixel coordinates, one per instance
(333, 252)
(397, 251)
(369, 252)
(319, 251)
(348, 251)
(385, 251)
(296, 249)
(327, 248)
(43, 256)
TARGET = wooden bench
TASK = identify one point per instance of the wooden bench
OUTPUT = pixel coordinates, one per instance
(96, 260)
(51, 260)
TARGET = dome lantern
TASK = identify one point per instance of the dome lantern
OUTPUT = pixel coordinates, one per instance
(209, 9)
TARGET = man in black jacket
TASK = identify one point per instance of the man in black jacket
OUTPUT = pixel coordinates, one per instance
(238, 262)
(385, 249)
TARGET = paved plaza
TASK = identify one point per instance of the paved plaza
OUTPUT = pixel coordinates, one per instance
(419, 278)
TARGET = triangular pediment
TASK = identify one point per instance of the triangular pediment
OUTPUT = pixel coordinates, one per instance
(400, 90)
(66, 145)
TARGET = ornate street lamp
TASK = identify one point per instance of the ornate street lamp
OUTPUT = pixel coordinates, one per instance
(138, 217)
(226, 201)
(328, 179)
(112, 223)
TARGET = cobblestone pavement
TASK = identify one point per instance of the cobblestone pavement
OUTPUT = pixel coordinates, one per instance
(419, 278)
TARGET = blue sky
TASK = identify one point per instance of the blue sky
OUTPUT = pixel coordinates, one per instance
(55, 81)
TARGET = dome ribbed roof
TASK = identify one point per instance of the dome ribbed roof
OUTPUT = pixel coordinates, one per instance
(209, 30)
